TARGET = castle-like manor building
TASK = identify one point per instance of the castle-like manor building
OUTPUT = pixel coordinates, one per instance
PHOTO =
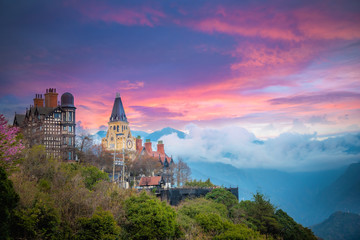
(119, 137)
(50, 123)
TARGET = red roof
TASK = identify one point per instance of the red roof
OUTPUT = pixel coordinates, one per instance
(150, 181)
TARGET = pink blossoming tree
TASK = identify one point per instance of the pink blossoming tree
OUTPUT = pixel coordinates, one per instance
(10, 145)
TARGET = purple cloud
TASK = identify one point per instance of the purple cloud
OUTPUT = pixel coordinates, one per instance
(316, 98)
(156, 112)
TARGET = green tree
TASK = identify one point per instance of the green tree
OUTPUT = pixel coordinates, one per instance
(200, 183)
(100, 226)
(261, 214)
(41, 221)
(239, 232)
(149, 218)
(290, 230)
(206, 215)
(92, 175)
(8, 201)
(221, 195)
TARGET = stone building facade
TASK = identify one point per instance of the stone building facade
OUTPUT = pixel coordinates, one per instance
(51, 124)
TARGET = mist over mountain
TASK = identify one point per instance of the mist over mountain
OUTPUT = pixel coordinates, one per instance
(290, 152)
(308, 178)
(342, 194)
(339, 226)
(295, 192)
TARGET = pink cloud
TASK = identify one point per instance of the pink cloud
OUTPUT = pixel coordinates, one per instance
(269, 22)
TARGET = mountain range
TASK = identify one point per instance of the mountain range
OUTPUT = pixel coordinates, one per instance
(339, 226)
(301, 194)
(154, 136)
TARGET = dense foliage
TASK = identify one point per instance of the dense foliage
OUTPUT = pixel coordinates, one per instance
(149, 218)
(8, 201)
(200, 183)
(48, 199)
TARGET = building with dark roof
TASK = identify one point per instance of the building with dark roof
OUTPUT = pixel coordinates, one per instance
(118, 138)
(118, 135)
(50, 123)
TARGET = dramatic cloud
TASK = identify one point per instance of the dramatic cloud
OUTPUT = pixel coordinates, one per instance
(156, 112)
(317, 98)
(288, 151)
(271, 67)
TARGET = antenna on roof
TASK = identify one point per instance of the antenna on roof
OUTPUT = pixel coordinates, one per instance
(117, 95)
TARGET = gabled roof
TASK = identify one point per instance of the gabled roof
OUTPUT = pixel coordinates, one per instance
(150, 181)
(118, 112)
(19, 120)
(45, 110)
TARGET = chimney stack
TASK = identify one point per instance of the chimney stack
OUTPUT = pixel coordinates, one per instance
(51, 97)
(38, 100)
(160, 147)
(148, 147)
(138, 143)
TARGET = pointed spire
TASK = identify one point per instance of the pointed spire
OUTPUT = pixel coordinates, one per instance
(166, 163)
(118, 112)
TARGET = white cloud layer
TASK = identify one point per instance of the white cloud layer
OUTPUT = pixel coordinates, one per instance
(241, 148)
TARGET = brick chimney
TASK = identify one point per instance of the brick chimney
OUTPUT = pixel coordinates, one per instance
(148, 147)
(38, 100)
(51, 98)
(138, 143)
(160, 147)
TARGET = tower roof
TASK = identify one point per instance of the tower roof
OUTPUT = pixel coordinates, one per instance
(118, 112)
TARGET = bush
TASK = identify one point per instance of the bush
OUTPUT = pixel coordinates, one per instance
(100, 226)
(149, 218)
(200, 183)
(41, 221)
(221, 195)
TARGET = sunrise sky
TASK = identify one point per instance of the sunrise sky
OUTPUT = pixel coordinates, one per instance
(267, 66)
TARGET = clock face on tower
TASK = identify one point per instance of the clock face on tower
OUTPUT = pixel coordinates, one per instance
(129, 144)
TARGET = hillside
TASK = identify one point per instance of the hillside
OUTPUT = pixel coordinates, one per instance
(344, 193)
(339, 226)
(295, 192)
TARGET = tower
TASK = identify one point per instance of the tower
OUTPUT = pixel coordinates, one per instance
(118, 135)
(68, 125)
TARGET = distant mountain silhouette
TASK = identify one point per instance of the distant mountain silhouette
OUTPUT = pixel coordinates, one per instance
(155, 136)
(344, 193)
(101, 134)
(142, 134)
(339, 226)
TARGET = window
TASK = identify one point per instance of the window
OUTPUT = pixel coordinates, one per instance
(56, 115)
(70, 128)
(70, 141)
(64, 128)
(70, 116)
(64, 140)
(118, 128)
(70, 154)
